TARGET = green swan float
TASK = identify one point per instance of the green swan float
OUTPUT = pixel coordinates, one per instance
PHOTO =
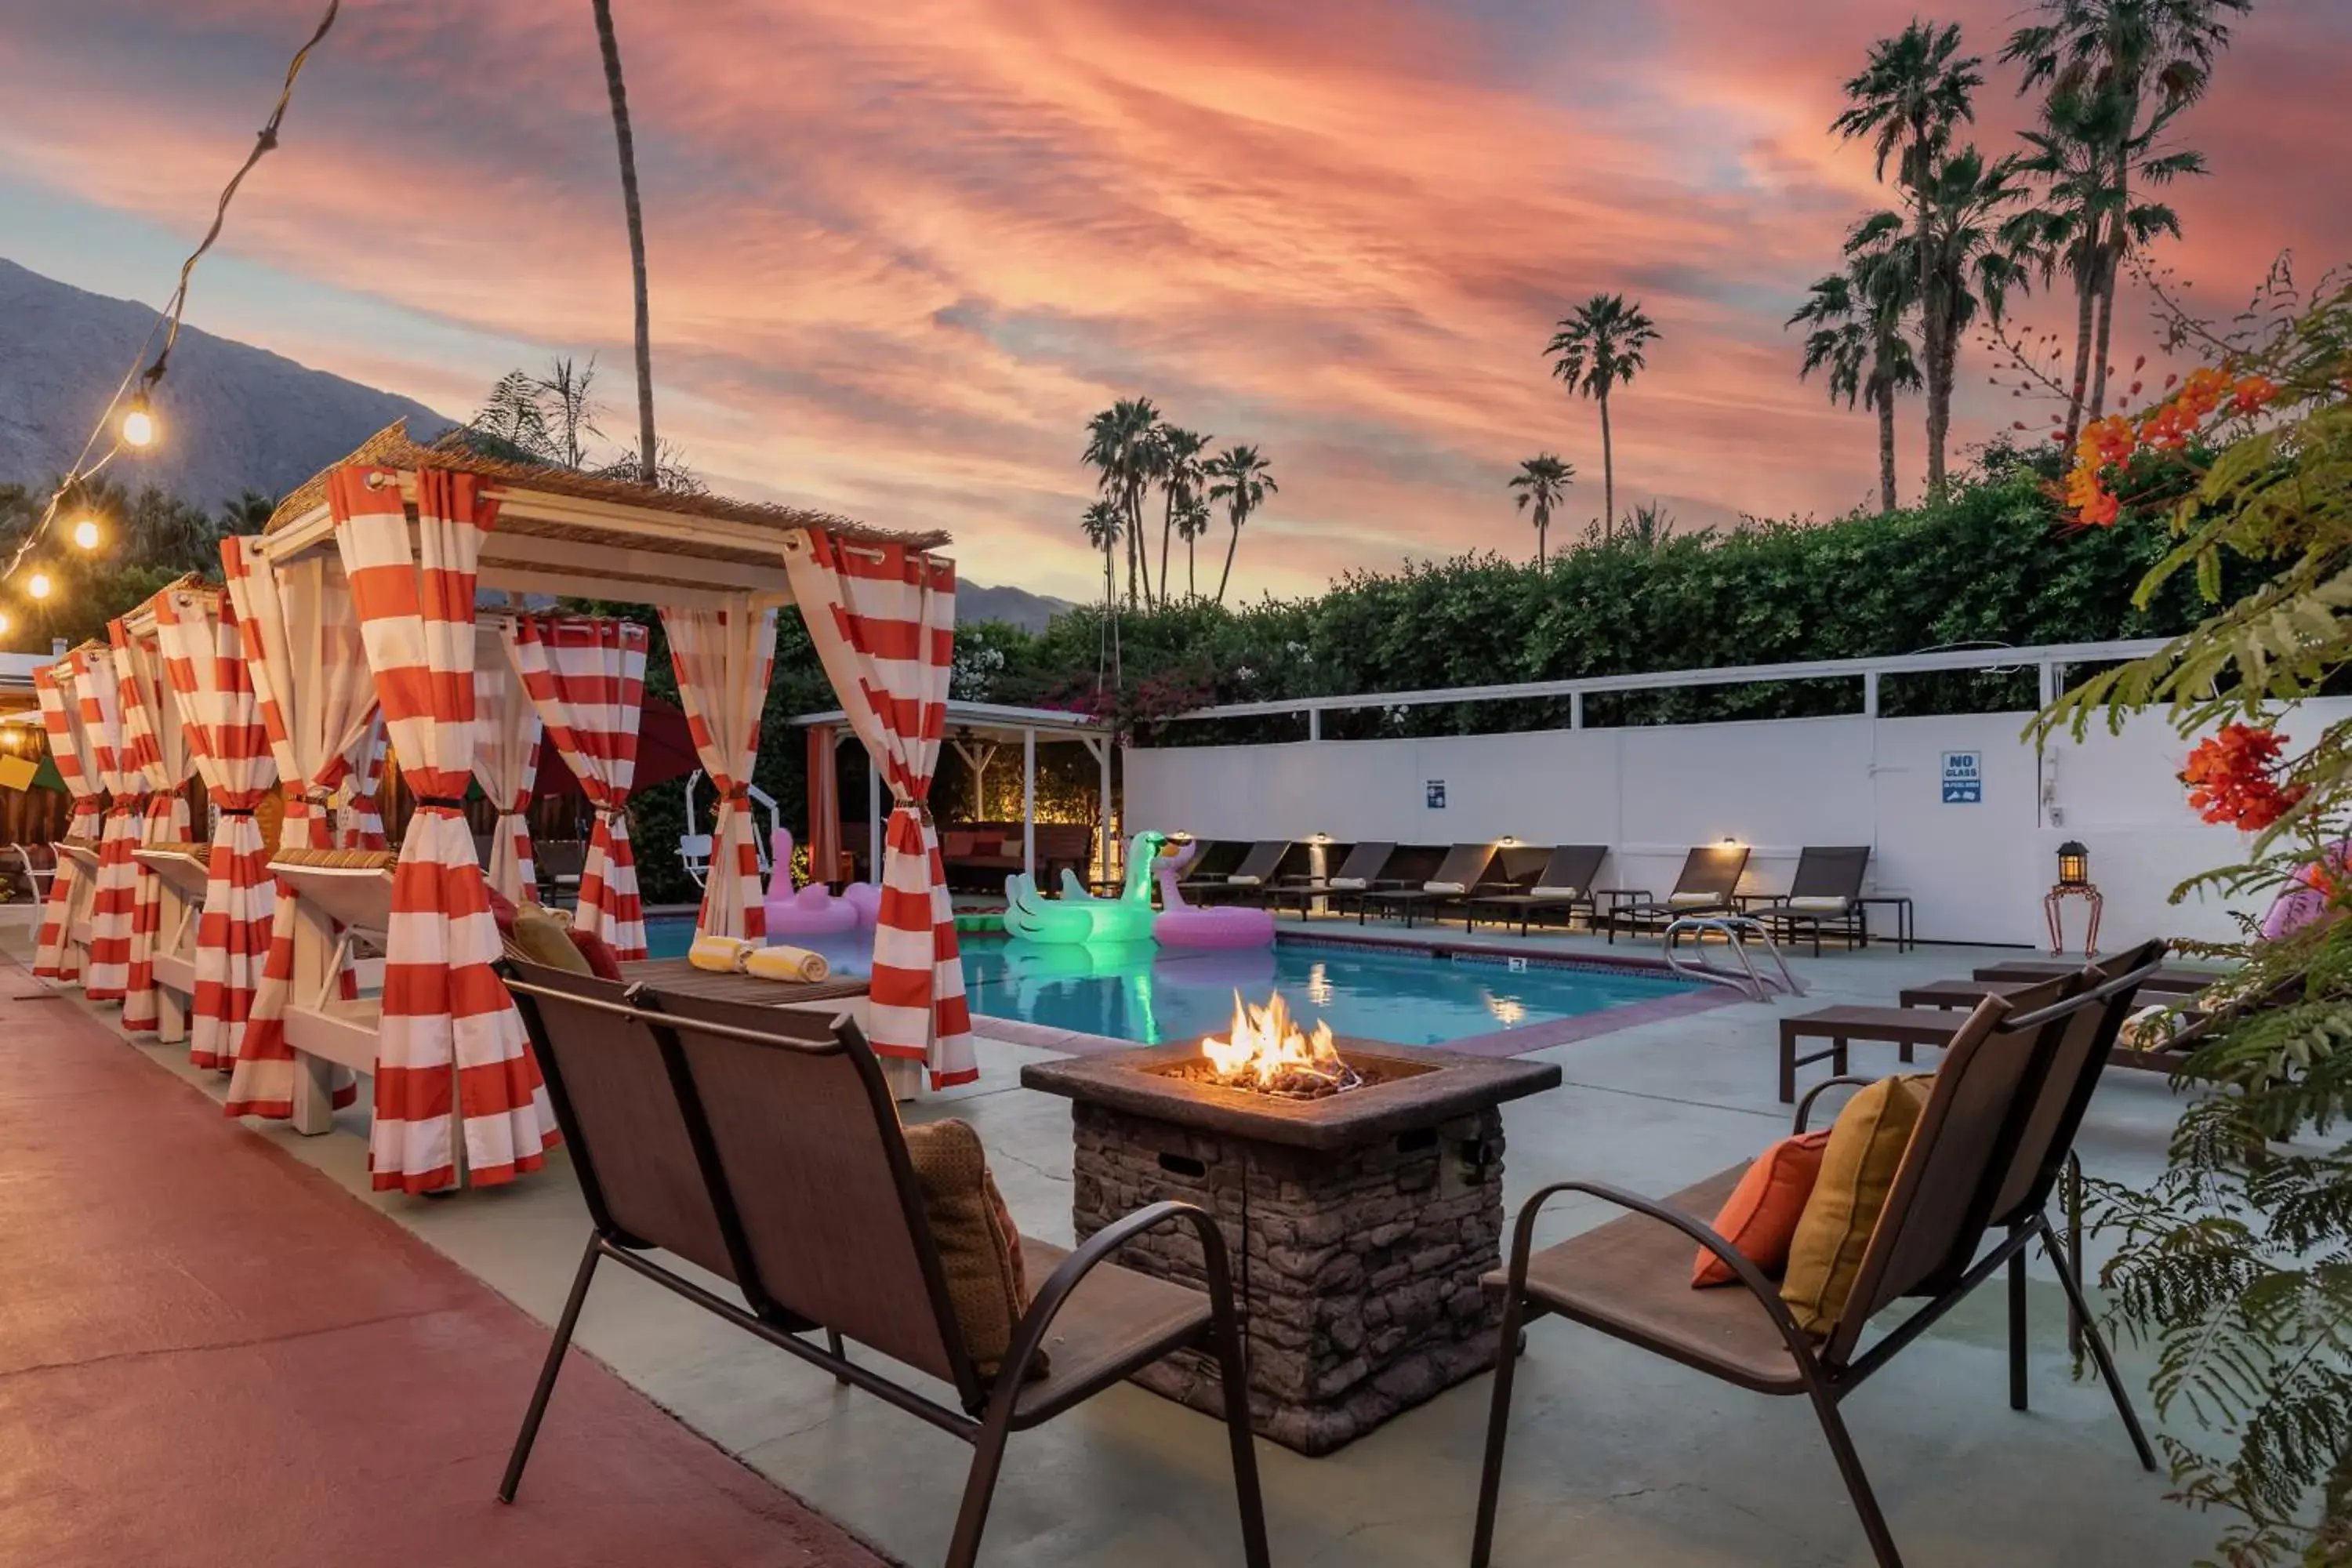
(1077, 916)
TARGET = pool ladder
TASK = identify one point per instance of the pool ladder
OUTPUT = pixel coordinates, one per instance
(1757, 985)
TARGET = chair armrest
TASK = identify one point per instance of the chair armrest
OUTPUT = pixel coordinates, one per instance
(1767, 1294)
(1029, 1333)
(1805, 1106)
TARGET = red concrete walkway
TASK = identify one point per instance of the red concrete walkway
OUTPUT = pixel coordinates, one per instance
(209, 1355)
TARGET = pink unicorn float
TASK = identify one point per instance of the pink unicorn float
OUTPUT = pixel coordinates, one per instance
(1179, 924)
(813, 911)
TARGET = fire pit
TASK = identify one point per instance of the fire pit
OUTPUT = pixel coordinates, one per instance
(1360, 1192)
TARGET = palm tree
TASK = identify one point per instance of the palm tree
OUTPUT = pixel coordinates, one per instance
(1914, 90)
(1120, 446)
(1966, 268)
(1242, 484)
(1857, 321)
(649, 449)
(2152, 58)
(1103, 524)
(1542, 483)
(1191, 523)
(1597, 348)
(1176, 464)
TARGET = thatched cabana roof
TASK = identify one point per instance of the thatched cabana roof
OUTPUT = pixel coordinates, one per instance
(563, 531)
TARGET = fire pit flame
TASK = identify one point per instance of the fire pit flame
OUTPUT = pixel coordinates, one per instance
(1266, 1051)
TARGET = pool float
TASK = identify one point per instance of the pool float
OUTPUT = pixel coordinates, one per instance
(1181, 925)
(812, 910)
(1102, 988)
(1077, 916)
(2305, 902)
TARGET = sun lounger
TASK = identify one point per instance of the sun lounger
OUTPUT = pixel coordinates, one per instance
(1908, 1028)
(2171, 980)
(1824, 896)
(1513, 873)
(1363, 870)
(1457, 876)
(1968, 1201)
(1564, 886)
(1708, 886)
(763, 1147)
(1249, 881)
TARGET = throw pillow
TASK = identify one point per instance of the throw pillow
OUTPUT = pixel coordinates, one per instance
(979, 1251)
(1865, 1149)
(603, 961)
(540, 937)
(1759, 1218)
(955, 842)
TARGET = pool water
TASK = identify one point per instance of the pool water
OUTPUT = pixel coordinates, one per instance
(1152, 994)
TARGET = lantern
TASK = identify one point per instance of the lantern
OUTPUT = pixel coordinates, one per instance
(2074, 865)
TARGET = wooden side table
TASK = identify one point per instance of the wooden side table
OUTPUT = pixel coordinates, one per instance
(2051, 903)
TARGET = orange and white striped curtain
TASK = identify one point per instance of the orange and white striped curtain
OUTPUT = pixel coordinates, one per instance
(883, 621)
(159, 750)
(113, 910)
(451, 1051)
(53, 956)
(309, 673)
(723, 659)
(587, 680)
(205, 664)
(506, 764)
(359, 804)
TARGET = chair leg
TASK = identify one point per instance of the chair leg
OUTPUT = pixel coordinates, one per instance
(1233, 1367)
(1498, 1429)
(2017, 1329)
(2073, 1190)
(553, 1364)
(978, 1492)
(833, 1342)
(2098, 1344)
(1857, 1483)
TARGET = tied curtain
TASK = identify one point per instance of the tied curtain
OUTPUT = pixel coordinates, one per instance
(452, 1047)
(197, 630)
(722, 659)
(309, 673)
(587, 682)
(360, 805)
(158, 749)
(113, 910)
(506, 764)
(882, 618)
(54, 956)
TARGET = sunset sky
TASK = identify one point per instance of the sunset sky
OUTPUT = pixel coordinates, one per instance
(902, 250)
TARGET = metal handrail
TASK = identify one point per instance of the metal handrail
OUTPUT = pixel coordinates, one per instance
(1759, 987)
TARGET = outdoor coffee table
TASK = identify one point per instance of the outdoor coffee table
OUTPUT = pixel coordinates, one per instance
(2171, 980)
(1909, 1027)
(1960, 993)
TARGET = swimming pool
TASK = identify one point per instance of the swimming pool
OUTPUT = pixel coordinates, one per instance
(1153, 994)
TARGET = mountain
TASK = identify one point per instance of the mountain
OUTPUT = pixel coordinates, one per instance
(234, 417)
(1016, 606)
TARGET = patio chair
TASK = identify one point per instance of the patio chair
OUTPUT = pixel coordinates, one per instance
(1999, 1120)
(763, 1145)
(1364, 869)
(35, 869)
(1825, 895)
(1514, 872)
(559, 862)
(1564, 884)
(1257, 871)
(1709, 880)
(1461, 873)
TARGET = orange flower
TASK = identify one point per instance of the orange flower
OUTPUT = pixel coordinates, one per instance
(2093, 507)
(2109, 440)
(2229, 778)
(2254, 392)
(2169, 429)
(2201, 393)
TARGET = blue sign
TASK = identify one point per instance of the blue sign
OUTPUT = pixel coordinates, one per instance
(1963, 778)
(1437, 795)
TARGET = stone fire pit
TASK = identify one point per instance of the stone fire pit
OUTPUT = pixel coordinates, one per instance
(1359, 1224)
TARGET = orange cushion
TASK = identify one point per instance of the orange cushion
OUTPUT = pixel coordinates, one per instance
(1760, 1216)
(956, 842)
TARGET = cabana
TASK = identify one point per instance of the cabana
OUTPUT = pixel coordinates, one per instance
(356, 606)
(979, 731)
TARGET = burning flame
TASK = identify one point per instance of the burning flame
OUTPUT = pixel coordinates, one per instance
(1267, 1051)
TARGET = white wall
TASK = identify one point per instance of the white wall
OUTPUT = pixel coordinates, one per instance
(1977, 871)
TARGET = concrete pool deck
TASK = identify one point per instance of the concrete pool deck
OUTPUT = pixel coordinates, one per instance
(1625, 1457)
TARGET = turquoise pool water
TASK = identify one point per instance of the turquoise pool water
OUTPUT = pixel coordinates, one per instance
(1152, 994)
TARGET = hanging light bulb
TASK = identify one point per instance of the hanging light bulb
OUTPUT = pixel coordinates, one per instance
(4, 622)
(37, 584)
(84, 533)
(139, 424)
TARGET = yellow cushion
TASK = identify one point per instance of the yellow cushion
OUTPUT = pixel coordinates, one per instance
(980, 1252)
(540, 937)
(1865, 1149)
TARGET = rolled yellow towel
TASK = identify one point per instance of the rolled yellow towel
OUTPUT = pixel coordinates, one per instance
(787, 964)
(720, 954)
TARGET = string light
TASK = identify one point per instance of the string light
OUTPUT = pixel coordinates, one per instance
(4, 622)
(84, 533)
(37, 584)
(138, 425)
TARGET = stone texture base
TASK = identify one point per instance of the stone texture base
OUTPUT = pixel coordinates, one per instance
(1359, 1267)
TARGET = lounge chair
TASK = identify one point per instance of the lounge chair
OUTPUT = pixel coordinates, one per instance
(1564, 885)
(2171, 980)
(763, 1146)
(1710, 883)
(1986, 1151)
(559, 862)
(1364, 869)
(1825, 895)
(1513, 873)
(1905, 1027)
(1460, 874)
(1212, 860)
(1258, 870)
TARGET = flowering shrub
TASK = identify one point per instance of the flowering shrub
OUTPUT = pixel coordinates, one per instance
(2208, 400)
(2231, 778)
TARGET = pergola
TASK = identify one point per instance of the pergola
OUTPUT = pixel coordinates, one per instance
(977, 731)
(349, 624)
